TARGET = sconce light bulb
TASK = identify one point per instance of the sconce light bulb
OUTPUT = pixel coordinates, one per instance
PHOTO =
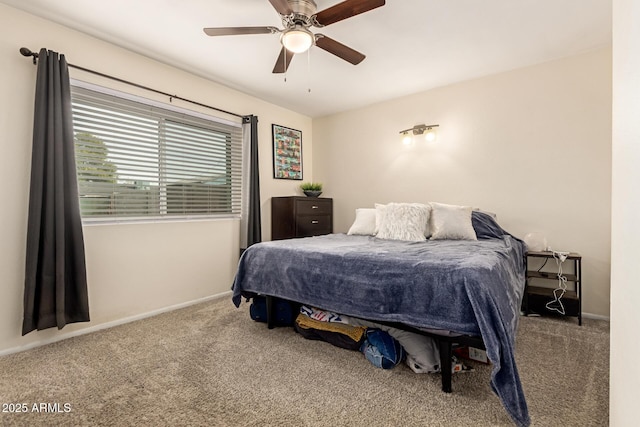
(406, 138)
(430, 135)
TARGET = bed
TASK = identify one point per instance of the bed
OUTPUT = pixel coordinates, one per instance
(471, 288)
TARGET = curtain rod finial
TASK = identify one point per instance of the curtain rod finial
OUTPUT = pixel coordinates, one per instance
(27, 52)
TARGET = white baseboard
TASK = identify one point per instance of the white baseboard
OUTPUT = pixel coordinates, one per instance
(595, 316)
(112, 324)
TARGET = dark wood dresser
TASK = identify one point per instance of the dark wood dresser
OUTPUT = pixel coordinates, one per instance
(300, 217)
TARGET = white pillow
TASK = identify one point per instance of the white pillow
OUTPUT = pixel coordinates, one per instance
(380, 209)
(403, 221)
(451, 222)
(365, 222)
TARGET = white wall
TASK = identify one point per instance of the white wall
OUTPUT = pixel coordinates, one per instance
(532, 145)
(625, 234)
(132, 269)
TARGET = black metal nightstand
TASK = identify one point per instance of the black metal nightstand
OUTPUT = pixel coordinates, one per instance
(538, 298)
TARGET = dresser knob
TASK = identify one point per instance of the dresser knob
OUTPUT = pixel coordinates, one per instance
(315, 222)
(314, 207)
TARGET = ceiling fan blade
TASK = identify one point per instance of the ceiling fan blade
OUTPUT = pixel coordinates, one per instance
(346, 9)
(339, 50)
(281, 6)
(235, 31)
(284, 59)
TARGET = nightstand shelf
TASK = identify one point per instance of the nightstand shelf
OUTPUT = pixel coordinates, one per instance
(536, 298)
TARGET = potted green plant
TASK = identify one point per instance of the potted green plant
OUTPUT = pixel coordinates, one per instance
(311, 189)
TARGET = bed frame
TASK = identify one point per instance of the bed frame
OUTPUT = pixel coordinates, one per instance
(446, 343)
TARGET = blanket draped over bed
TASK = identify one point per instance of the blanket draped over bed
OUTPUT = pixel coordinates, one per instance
(469, 287)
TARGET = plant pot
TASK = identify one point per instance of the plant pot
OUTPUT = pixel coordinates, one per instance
(311, 193)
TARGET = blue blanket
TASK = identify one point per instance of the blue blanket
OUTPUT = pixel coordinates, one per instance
(470, 287)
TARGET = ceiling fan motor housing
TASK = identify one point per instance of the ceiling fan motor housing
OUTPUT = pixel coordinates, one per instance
(303, 7)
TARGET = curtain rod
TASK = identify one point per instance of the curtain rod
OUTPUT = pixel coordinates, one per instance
(27, 52)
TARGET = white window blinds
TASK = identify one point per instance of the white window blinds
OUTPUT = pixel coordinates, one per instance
(139, 160)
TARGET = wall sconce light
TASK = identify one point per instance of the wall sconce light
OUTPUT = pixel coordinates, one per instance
(427, 130)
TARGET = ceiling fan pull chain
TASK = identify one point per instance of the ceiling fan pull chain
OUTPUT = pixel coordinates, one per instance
(284, 59)
(309, 70)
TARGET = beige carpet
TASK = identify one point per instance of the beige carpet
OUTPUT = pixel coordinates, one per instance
(211, 365)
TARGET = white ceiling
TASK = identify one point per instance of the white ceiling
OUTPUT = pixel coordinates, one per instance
(411, 45)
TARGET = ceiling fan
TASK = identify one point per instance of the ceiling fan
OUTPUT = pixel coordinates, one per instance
(297, 17)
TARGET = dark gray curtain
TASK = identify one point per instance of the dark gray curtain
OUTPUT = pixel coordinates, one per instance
(55, 290)
(254, 225)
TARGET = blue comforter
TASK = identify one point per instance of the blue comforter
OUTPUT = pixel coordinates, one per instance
(470, 287)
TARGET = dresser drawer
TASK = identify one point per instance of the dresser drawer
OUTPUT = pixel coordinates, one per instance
(313, 206)
(313, 225)
(296, 216)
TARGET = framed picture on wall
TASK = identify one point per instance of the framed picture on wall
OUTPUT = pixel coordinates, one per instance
(287, 152)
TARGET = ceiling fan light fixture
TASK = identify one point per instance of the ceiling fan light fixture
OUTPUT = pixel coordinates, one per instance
(297, 40)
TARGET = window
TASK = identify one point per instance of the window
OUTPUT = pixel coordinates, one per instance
(136, 159)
